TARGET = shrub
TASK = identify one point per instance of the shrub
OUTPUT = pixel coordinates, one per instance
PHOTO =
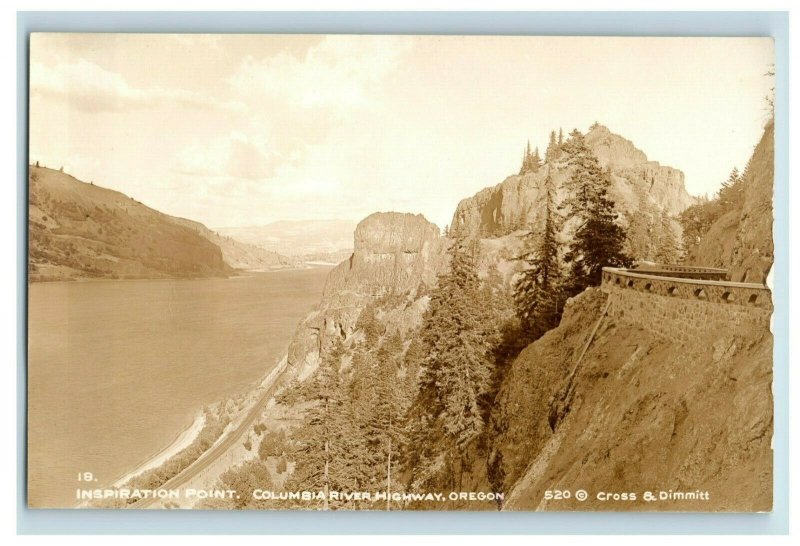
(272, 445)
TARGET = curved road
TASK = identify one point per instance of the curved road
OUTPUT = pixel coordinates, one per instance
(216, 451)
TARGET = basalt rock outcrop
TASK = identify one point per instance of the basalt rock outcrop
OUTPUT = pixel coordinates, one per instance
(741, 239)
(395, 254)
(643, 191)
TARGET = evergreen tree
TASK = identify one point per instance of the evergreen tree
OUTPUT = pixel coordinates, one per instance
(551, 154)
(326, 445)
(387, 420)
(526, 153)
(536, 160)
(598, 240)
(530, 161)
(560, 137)
(731, 194)
(669, 247)
(537, 291)
(456, 338)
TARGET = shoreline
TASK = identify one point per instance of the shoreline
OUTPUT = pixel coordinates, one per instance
(188, 435)
(238, 274)
(183, 440)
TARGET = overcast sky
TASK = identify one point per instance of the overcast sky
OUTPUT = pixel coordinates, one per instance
(242, 130)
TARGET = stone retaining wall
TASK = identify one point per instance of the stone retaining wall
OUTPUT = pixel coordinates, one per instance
(677, 308)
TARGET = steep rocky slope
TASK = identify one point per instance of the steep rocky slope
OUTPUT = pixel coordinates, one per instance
(647, 194)
(395, 255)
(647, 414)
(79, 230)
(241, 255)
(741, 239)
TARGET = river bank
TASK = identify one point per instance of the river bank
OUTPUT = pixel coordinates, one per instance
(218, 428)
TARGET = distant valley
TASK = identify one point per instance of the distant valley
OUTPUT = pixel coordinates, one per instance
(328, 241)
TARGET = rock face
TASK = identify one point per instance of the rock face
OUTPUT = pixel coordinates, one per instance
(394, 254)
(741, 239)
(642, 190)
(79, 230)
(754, 250)
(647, 414)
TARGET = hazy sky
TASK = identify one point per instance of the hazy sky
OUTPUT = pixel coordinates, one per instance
(235, 130)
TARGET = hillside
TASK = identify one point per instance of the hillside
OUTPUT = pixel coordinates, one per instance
(649, 410)
(79, 230)
(395, 256)
(241, 255)
(647, 413)
(415, 371)
(734, 230)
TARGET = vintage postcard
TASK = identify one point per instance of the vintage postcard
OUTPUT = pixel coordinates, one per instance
(342, 272)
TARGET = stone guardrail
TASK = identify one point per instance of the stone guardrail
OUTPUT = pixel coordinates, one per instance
(680, 308)
(698, 284)
(683, 271)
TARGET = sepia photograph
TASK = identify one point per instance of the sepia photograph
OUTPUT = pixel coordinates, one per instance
(400, 272)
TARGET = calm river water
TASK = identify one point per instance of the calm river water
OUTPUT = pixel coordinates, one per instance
(118, 368)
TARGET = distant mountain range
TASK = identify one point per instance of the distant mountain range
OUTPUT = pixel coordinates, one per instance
(78, 230)
(311, 241)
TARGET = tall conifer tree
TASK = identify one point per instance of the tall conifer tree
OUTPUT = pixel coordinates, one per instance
(537, 291)
(598, 240)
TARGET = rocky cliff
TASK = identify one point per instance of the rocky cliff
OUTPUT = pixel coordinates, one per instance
(741, 238)
(394, 255)
(643, 191)
(78, 230)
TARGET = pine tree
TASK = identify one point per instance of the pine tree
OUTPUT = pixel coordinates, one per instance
(669, 249)
(536, 160)
(530, 161)
(387, 421)
(526, 154)
(560, 137)
(598, 240)
(457, 369)
(325, 446)
(551, 154)
(537, 291)
(731, 194)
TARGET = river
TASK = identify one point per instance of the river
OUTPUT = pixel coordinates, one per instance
(116, 369)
